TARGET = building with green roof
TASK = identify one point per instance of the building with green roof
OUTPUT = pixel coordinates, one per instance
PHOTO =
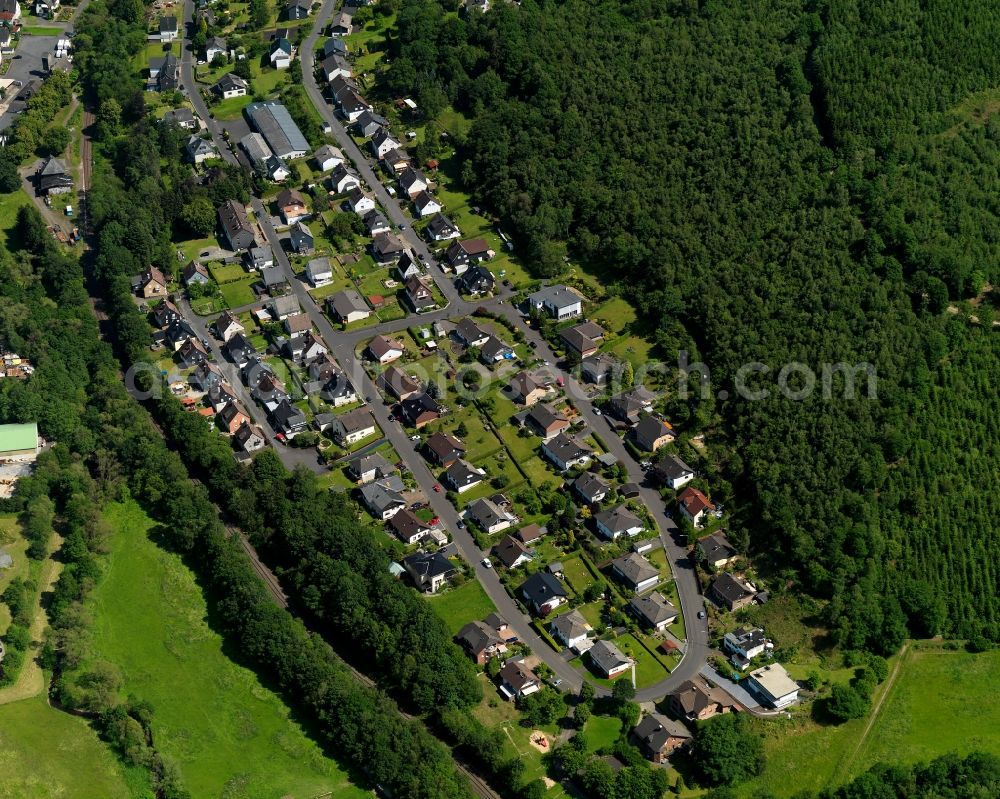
(18, 440)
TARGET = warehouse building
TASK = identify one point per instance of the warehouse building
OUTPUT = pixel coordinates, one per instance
(272, 121)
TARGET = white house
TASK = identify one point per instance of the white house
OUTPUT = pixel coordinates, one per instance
(608, 659)
(558, 302)
(772, 685)
(328, 157)
(319, 272)
(573, 630)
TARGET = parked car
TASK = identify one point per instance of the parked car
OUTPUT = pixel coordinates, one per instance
(487, 564)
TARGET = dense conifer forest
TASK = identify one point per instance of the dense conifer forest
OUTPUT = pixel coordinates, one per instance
(775, 181)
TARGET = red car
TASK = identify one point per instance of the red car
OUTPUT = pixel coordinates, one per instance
(434, 521)
(437, 488)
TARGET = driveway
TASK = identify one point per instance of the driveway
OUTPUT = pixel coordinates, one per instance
(26, 65)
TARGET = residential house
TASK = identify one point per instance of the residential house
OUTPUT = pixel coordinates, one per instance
(464, 253)
(384, 497)
(53, 177)
(494, 351)
(429, 570)
(177, 333)
(582, 340)
(250, 438)
(443, 449)
(232, 417)
(441, 228)
(696, 701)
(216, 46)
(635, 572)
(275, 282)
(319, 272)
(462, 476)
(510, 552)
(370, 124)
(525, 390)
(375, 223)
(476, 280)
(383, 142)
(284, 306)
(654, 610)
(745, 643)
(231, 85)
(150, 283)
(397, 161)
(659, 737)
(167, 77)
(292, 206)
(297, 9)
(673, 472)
(426, 205)
(236, 227)
(772, 686)
(483, 640)
(288, 419)
(373, 466)
(334, 46)
(608, 659)
(572, 630)
(413, 182)
(342, 25)
(168, 28)
(322, 367)
(354, 426)
(418, 294)
(265, 387)
(275, 169)
(280, 53)
(408, 527)
(543, 593)
(530, 533)
(301, 239)
(396, 382)
(652, 433)
(599, 369)
(630, 405)
(352, 105)
(195, 272)
(694, 506)
(191, 353)
(470, 334)
(182, 118)
(518, 681)
(490, 516)
(715, 550)
(348, 306)
(387, 248)
(546, 422)
(731, 592)
(420, 410)
(408, 266)
(591, 488)
(207, 376)
(239, 349)
(559, 302)
(328, 157)
(359, 202)
(565, 452)
(165, 314)
(297, 324)
(617, 521)
(200, 150)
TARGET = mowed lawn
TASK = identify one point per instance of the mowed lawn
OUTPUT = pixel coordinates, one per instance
(228, 734)
(10, 204)
(45, 753)
(461, 605)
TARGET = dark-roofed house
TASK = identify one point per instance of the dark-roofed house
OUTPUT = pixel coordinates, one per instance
(199, 150)
(288, 419)
(429, 570)
(543, 592)
(396, 382)
(236, 227)
(731, 592)
(274, 280)
(573, 630)
(214, 47)
(599, 369)
(481, 640)
(53, 177)
(426, 205)
(517, 680)
(716, 551)
(167, 77)
(420, 410)
(280, 53)
(618, 521)
(490, 516)
(635, 572)
(328, 157)
(301, 238)
(150, 283)
(651, 433)
(348, 306)
(292, 206)
(608, 659)
(443, 449)
(546, 422)
(231, 85)
(658, 737)
(511, 552)
(591, 488)
(408, 266)
(181, 117)
(629, 406)
(195, 272)
(372, 466)
(525, 389)
(359, 202)
(747, 642)
(239, 349)
(342, 25)
(694, 506)
(418, 294)
(375, 223)
(370, 124)
(387, 248)
(673, 472)
(413, 182)
(476, 279)
(441, 228)
(566, 452)
(297, 9)
(582, 340)
(559, 302)
(353, 426)
(168, 28)
(462, 476)
(408, 528)
(530, 533)
(695, 701)
(462, 254)
(191, 353)
(385, 350)
(249, 438)
(494, 351)
(396, 161)
(384, 498)
(654, 609)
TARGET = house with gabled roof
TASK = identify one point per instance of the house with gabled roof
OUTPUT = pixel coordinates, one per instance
(546, 422)
(53, 177)
(659, 737)
(582, 340)
(651, 433)
(231, 85)
(654, 610)
(510, 552)
(413, 182)
(348, 306)
(387, 248)
(236, 227)
(232, 417)
(292, 206)
(696, 701)
(694, 506)
(441, 228)
(482, 641)
(373, 466)
(407, 527)
(420, 410)
(572, 630)
(630, 405)
(384, 498)
(397, 383)
(353, 426)
(525, 389)
(591, 488)
(490, 516)
(673, 472)
(165, 313)
(328, 157)
(635, 572)
(618, 521)
(608, 659)
(249, 438)
(385, 350)
(228, 325)
(419, 294)
(150, 283)
(429, 570)
(731, 592)
(426, 205)
(715, 551)
(543, 593)
(301, 238)
(462, 476)
(518, 681)
(565, 452)
(477, 279)
(444, 449)
(463, 253)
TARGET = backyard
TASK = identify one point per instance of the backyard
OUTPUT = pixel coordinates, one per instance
(459, 606)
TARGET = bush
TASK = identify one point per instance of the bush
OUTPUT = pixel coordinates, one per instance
(846, 702)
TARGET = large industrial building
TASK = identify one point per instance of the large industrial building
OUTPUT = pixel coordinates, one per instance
(272, 121)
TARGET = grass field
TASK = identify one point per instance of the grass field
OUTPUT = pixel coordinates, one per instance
(461, 605)
(239, 292)
(40, 30)
(10, 204)
(47, 754)
(227, 273)
(602, 732)
(14, 545)
(577, 574)
(228, 734)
